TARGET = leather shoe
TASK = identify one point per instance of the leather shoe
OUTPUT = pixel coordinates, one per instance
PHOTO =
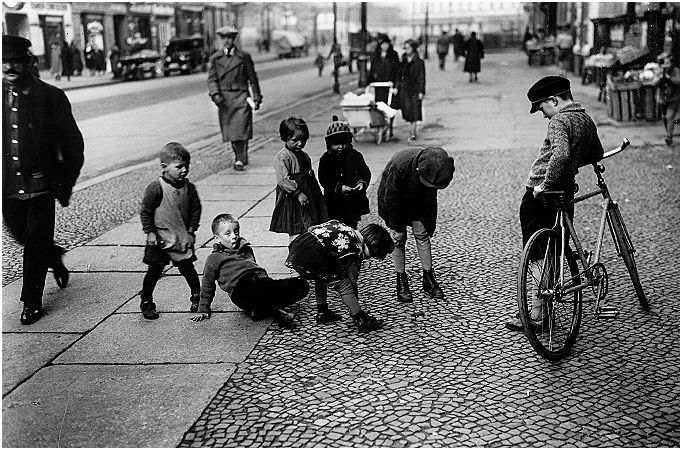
(61, 274)
(514, 326)
(30, 314)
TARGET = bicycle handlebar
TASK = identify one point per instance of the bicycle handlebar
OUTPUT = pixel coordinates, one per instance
(617, 150)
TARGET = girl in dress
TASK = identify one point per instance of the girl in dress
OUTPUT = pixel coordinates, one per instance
(298, 203)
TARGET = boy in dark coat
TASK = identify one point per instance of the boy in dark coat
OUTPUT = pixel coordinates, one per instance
(408, 198)
(233, 266)
(344, 176)
(42, 158)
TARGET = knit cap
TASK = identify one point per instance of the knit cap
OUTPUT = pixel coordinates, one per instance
(435, 167)
(337, 128)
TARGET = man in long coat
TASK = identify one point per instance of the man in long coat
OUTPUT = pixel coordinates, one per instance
(230, 75)
(41, 160)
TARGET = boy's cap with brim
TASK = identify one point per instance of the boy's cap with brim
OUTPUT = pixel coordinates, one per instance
(436, 168)
(14, 47)
(547, 87)
(228, 31)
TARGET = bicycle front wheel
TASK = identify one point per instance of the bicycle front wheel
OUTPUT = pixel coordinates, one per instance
(626, 251)
(551, 318)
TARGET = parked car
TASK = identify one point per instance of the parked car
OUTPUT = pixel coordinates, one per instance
(185, 54)
(140, 65)
(290, 44)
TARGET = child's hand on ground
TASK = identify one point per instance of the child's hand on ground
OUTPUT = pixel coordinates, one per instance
(151, 239)
(359, 187)
(200, 317)
(303, 199)
(345, 189)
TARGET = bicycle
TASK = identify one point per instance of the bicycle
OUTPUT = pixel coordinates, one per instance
(550, 302)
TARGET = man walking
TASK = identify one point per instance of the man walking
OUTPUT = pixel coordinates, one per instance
(230, 75)
(458, 44)
(442, 47)
(42, 158)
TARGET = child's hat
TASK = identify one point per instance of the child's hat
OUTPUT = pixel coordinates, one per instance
(547, 87)
(435, 167)
(337, 128)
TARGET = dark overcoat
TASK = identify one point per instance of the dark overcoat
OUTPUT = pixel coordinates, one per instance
(349, 169)
(384, 69)
(50, 140)
(402, 198)
(473, 52)
(231, 77)
(412, 83)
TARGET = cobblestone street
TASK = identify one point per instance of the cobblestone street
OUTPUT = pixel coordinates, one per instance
(443, 373)
(455, 376)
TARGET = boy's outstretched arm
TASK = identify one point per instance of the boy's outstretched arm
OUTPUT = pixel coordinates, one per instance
(207, 295)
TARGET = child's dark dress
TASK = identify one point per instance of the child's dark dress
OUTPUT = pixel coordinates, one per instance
(288, 215)
(349, 168)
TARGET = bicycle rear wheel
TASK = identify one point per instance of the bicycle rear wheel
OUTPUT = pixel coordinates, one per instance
(626, 251)
(554, 330)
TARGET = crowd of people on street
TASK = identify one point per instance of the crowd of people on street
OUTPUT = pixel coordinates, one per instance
(320, 214)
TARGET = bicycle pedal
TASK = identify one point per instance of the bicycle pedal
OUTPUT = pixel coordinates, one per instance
(607, 312)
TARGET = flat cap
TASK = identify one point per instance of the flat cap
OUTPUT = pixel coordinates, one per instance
(227, 30)
(436, 168)
(545, 88)
(14, 47)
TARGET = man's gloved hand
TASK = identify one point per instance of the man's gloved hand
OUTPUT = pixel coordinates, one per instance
(218, 99)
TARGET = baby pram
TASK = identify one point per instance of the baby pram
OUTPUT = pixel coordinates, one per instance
(364, 115)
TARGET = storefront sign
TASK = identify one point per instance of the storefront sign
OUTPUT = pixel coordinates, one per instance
(191, 8)
(141, 8)
(112, 8)
(161, 10)
(49, 8)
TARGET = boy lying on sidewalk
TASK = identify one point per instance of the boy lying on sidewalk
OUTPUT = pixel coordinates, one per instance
(233, 266)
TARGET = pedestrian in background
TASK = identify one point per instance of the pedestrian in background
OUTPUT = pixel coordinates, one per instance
(298, 199)
(671, 97)
(473, 53)
(67, 61)
(412, 85)
(442, 48)
(571, 142)
(170, 212)
(42, 158)
(56, 60)
(344, 176)
(114, 56)
(384, 66)
(458, 44)
(408, 198)
(76, 58)
(319, 62)
(233, 266)
(331, 254)
(564, 46)
(230, 75)
(89, 54)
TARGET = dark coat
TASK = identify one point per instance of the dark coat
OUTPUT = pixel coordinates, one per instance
(349, 169)
(474, 53)
(384, 69)
(67, 60)
(231, 77)
(412, 83)
(458, 43)
(402, 197)
(443, 45)
(50, 140)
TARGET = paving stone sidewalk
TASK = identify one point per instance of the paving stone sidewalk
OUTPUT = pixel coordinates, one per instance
(442, 373)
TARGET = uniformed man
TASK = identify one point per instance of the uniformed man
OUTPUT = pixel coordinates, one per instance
(42, 157)
(230, 75)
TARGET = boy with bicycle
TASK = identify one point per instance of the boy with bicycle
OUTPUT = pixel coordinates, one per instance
(570, 143)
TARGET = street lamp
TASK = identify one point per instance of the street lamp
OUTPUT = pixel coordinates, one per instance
(426, 32)
(335, 47)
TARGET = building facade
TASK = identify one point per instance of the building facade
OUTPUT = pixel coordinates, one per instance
(105, 24)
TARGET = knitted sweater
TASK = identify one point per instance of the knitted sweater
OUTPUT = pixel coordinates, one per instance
(226, 267)
(571, 142)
